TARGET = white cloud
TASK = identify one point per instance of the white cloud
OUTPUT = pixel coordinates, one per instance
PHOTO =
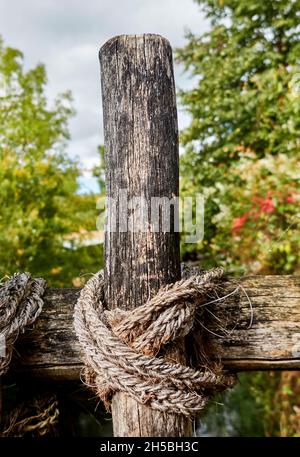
(66, 36)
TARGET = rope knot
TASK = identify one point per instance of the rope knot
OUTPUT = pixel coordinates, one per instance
(125, 350)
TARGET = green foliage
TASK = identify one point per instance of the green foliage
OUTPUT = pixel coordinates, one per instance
(241, 150)
(38, 182)
(258, 222)
(244, 106)
(235, 412)
(249, 86)
(99, 171)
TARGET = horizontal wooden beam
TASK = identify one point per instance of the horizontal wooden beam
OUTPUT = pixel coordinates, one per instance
(50, 349)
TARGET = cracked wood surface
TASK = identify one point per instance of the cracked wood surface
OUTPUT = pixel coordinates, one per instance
(142, 162)
(50, 348)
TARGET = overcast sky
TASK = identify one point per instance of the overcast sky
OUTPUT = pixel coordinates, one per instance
(66, 35)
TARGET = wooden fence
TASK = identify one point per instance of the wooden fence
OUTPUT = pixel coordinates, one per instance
(141, 143)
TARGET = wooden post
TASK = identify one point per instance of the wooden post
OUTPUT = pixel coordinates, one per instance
(141, 150)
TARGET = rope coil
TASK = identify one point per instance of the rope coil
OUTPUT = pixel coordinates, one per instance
(20, 304)
(35, 418)
(122, 350)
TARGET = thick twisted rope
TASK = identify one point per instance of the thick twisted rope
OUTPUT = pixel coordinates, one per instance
(119, 347)
(20, 304)
(35, 418)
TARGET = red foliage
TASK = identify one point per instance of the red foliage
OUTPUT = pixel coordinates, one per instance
(266, 205)
(260, 206)
(290, 199)
(238, 223)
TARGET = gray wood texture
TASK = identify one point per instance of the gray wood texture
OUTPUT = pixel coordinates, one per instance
(141, 157)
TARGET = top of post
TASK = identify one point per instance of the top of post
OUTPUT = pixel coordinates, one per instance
(146, 37)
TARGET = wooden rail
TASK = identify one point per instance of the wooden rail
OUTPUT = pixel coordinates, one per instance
(51, 350)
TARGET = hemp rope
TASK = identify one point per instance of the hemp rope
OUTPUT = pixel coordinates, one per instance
(20, 304)
(36, 418)
(122, 350)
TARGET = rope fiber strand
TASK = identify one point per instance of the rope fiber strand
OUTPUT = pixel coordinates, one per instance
(123, 350)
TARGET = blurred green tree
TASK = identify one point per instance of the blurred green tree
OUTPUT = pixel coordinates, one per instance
(99, 170)
(241, 150)
(40, 205)
(245, 110)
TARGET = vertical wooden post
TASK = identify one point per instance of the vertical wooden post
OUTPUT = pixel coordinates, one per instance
(141, 147)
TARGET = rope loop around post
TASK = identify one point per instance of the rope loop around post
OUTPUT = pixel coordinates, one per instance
(124, 350)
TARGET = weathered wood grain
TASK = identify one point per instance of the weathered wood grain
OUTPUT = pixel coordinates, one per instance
(141, 156)
(50, 348)
(273, 341)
